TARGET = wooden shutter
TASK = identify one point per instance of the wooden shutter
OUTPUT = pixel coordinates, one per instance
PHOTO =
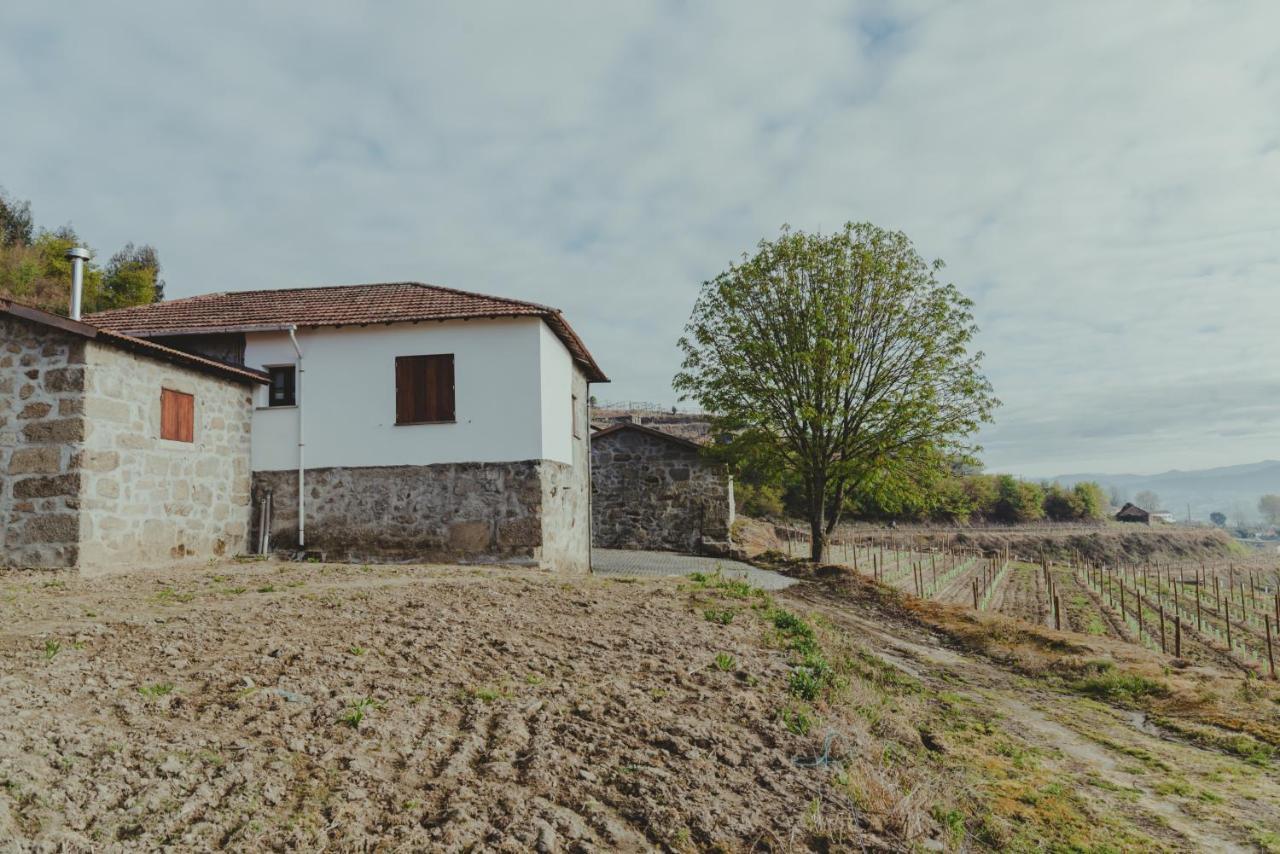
(424, 389)
(177, 416)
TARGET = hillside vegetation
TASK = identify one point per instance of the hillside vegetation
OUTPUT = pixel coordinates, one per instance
(34, 268)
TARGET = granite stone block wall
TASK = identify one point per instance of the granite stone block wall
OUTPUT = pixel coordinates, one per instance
(147, 500)
(473, 512)
(651, 492)
(85, 479)
(41, 426)
(566, 498)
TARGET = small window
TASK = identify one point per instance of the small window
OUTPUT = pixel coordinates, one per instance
(282, 392)
(577, 423)
(424, 389)
(177, 416)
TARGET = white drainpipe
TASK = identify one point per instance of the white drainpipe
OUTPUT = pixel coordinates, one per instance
(299, 400)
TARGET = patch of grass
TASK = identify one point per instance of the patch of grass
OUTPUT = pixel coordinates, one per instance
(159, 689)
(485, 693)
(51, 648)
(169, 595)
(357, 711)
(797, 720)
(1125, 688)
(356, 650)
(1267, 840)
(54, 585)
(725, 662)
(267, 588)
(234, 591)
(719, 616)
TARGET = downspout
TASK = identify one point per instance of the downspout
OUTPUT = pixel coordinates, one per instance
(299, 400)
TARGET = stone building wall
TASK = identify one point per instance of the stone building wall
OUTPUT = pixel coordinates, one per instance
(86, 481)
(566, 498)
(146, 500)
(41, 425)
(651, 492)
(473, 512)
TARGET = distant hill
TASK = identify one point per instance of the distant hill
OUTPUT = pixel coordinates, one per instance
(1233, 490)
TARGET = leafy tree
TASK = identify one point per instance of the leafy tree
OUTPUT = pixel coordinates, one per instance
(1269, 507)
(1018, 500)
(1147, 500)
(837, 356)
(1059, 505)
(1217, 518)
(16, 227)
(132, 277)
(1091, 503)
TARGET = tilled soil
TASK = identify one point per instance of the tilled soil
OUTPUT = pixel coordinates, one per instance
(310, 706)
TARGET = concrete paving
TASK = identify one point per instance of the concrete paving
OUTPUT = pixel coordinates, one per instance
(633, 564)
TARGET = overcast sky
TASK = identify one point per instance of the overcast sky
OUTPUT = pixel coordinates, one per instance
(1102, 179)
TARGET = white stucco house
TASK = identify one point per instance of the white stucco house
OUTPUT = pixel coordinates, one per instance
(402, 421)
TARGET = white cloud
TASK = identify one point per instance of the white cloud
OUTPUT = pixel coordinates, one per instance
(1101, 178)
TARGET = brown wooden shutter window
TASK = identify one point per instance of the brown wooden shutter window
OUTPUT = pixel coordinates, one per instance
(424, 389)
(177, 416)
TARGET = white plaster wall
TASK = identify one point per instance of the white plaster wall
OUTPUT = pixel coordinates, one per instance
(349, 397)
(557, 374)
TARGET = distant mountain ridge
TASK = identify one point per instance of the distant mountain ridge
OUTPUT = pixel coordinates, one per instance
(1233, 490)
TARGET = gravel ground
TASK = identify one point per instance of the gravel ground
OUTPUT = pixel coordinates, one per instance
(639, 564)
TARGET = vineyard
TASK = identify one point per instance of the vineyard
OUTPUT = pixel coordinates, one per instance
(1219, 611)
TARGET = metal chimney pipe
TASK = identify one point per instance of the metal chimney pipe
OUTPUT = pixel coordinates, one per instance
(78, 256)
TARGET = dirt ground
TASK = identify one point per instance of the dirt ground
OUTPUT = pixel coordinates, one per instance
(324, 707)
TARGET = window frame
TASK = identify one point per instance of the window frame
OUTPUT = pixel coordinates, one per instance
(427, 402)
(293, 387)
(171, 429)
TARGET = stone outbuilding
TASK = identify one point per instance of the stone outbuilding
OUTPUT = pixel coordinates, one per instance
(115, 452)
(653, 490)
(1133, 513)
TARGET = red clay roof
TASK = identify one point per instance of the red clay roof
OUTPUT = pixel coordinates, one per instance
(136, 345)
(337, 305)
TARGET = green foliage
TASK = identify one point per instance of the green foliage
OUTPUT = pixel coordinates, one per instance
(34, 268)
(1018, 500)
(1121, 687)
(1218, 519)
(763, 501)
(725, 662)
(835, 359)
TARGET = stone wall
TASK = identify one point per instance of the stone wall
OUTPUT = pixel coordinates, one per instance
(451, 512)
(650, 492)
(146, 500)
(566, 498)
(41, 426)
(85, 479)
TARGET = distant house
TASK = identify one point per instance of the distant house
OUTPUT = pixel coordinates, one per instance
(653, 490)
(1133, 513)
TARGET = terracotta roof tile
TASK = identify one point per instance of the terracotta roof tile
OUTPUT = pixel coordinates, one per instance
(136, 345)
(338, 305)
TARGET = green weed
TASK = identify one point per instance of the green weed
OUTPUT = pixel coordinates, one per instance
(725, 662)
(356, 712)
(159, 689)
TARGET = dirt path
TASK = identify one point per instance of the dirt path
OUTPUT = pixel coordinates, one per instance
(1179, 792)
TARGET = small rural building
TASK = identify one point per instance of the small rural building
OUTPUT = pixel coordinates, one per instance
(115, 452)
(1133, 513)
(403, 421)
(653, 490)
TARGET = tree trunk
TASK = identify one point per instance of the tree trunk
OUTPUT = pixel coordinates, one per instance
(818, 533)
(817, 524)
